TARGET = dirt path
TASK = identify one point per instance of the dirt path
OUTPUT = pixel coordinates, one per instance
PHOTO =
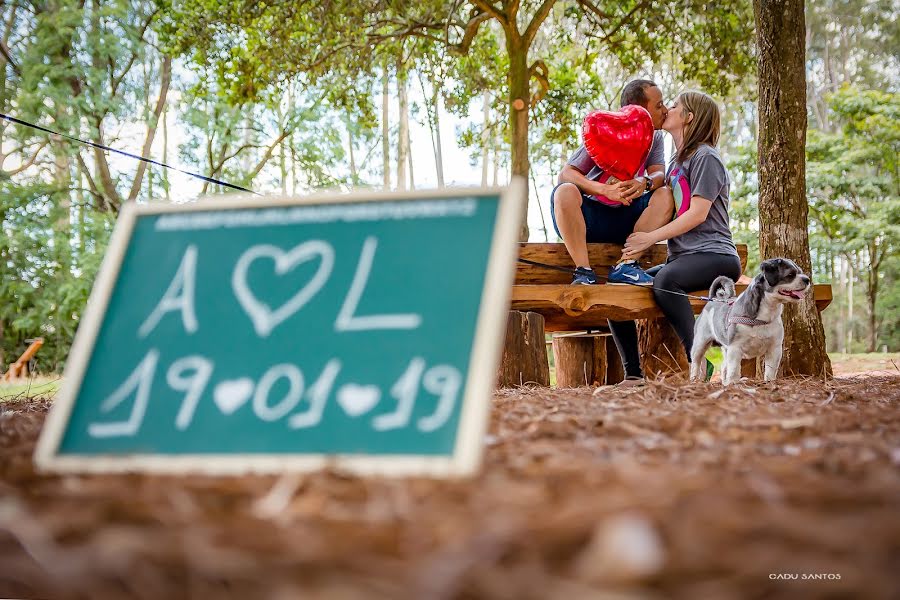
(672, 491)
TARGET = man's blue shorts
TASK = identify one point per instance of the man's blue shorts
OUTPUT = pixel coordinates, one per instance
(606, 224)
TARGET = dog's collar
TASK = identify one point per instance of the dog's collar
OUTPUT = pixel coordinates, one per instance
(739, 320)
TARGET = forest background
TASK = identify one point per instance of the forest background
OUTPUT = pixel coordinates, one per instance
(410, 95)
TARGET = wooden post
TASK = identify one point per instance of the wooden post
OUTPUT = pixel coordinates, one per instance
(615, 370)
(661, 349)
(19, 369)
(580, 360)
(524, 357)
(748, 368)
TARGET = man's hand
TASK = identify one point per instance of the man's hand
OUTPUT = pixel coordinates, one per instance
(633, 188)
(636, 243)
(614, 193)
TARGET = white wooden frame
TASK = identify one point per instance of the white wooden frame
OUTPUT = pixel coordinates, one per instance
(476, 399)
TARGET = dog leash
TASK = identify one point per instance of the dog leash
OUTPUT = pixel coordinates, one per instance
(572, 272)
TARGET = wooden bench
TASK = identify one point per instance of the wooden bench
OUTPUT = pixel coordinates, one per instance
(543, 300)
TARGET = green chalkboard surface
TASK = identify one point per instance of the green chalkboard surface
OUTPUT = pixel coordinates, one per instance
(287, 334)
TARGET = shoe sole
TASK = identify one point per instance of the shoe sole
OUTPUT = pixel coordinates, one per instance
(646, 283)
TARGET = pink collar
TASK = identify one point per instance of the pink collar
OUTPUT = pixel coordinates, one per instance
(739, 320)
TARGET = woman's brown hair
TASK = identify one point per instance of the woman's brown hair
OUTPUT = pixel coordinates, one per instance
(703, 128)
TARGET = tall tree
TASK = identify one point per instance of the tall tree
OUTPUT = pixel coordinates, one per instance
(784, 213)
(385, 130)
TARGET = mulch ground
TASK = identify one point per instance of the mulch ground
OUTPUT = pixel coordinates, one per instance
(785, 490)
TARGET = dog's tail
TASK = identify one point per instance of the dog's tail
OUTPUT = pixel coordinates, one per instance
(722, 287)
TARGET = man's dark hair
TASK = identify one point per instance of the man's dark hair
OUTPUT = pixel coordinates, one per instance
(635, 92)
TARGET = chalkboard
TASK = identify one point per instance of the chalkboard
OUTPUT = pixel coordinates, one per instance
(248, 334)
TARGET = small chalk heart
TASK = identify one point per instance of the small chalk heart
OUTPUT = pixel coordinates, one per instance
(357, 400)
(231, 395)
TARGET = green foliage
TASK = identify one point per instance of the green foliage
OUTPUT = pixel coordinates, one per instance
(40, 296)
(744, 209)
(854, 193)
(853, 176)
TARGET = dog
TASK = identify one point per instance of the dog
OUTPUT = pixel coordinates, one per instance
(749, 325)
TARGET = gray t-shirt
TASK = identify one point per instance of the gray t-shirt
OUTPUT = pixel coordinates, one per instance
(703, 174)
(582, 161)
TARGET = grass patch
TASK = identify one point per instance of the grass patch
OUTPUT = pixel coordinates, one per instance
(39, 386)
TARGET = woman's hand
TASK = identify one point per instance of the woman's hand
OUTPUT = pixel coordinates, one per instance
(636, 243)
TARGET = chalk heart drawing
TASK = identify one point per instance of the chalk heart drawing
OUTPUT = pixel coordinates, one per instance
(263, 317)
(357, 400)
(230, 395)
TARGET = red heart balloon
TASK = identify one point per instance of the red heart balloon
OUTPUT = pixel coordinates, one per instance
(619, 142)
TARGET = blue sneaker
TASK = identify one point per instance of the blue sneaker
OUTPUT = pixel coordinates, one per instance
(584, 276)
(630, 273)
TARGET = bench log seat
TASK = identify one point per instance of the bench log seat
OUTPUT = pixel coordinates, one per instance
(557, 306)
(576, 307)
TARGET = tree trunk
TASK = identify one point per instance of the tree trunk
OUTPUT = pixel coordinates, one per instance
(783, 209)
(851, 279)
(842, 325)
(165, 152)
(412, 179)
(563, 156)
(872, 297)
(519, 101)
(524, 357)
(353, 174)
(580, 360)
(290, 143)
(402, 147)
(485, 138)
(438, 148)
(62, 229)
(496, 147)
(385, 131)
(660, 347)
(152, 124)
(282, 155)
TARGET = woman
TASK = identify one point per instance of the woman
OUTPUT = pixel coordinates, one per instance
(699, 238)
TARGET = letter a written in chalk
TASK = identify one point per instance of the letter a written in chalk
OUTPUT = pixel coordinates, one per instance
(179, 296)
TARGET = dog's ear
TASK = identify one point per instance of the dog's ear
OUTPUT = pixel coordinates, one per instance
(771, 270)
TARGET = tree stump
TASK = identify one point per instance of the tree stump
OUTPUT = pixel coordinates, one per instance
(524, 357)
(615, 370)
(580, 360)
(660, 348)
(748, 368)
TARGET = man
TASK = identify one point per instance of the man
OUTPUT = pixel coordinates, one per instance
(644, 203)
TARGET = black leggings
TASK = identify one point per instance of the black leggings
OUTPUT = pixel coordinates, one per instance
(686, 273)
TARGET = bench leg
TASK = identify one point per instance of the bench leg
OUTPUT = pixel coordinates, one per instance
(615, 370)
(748, 368)
(580, 360)
(524, 357)
(661, 350)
